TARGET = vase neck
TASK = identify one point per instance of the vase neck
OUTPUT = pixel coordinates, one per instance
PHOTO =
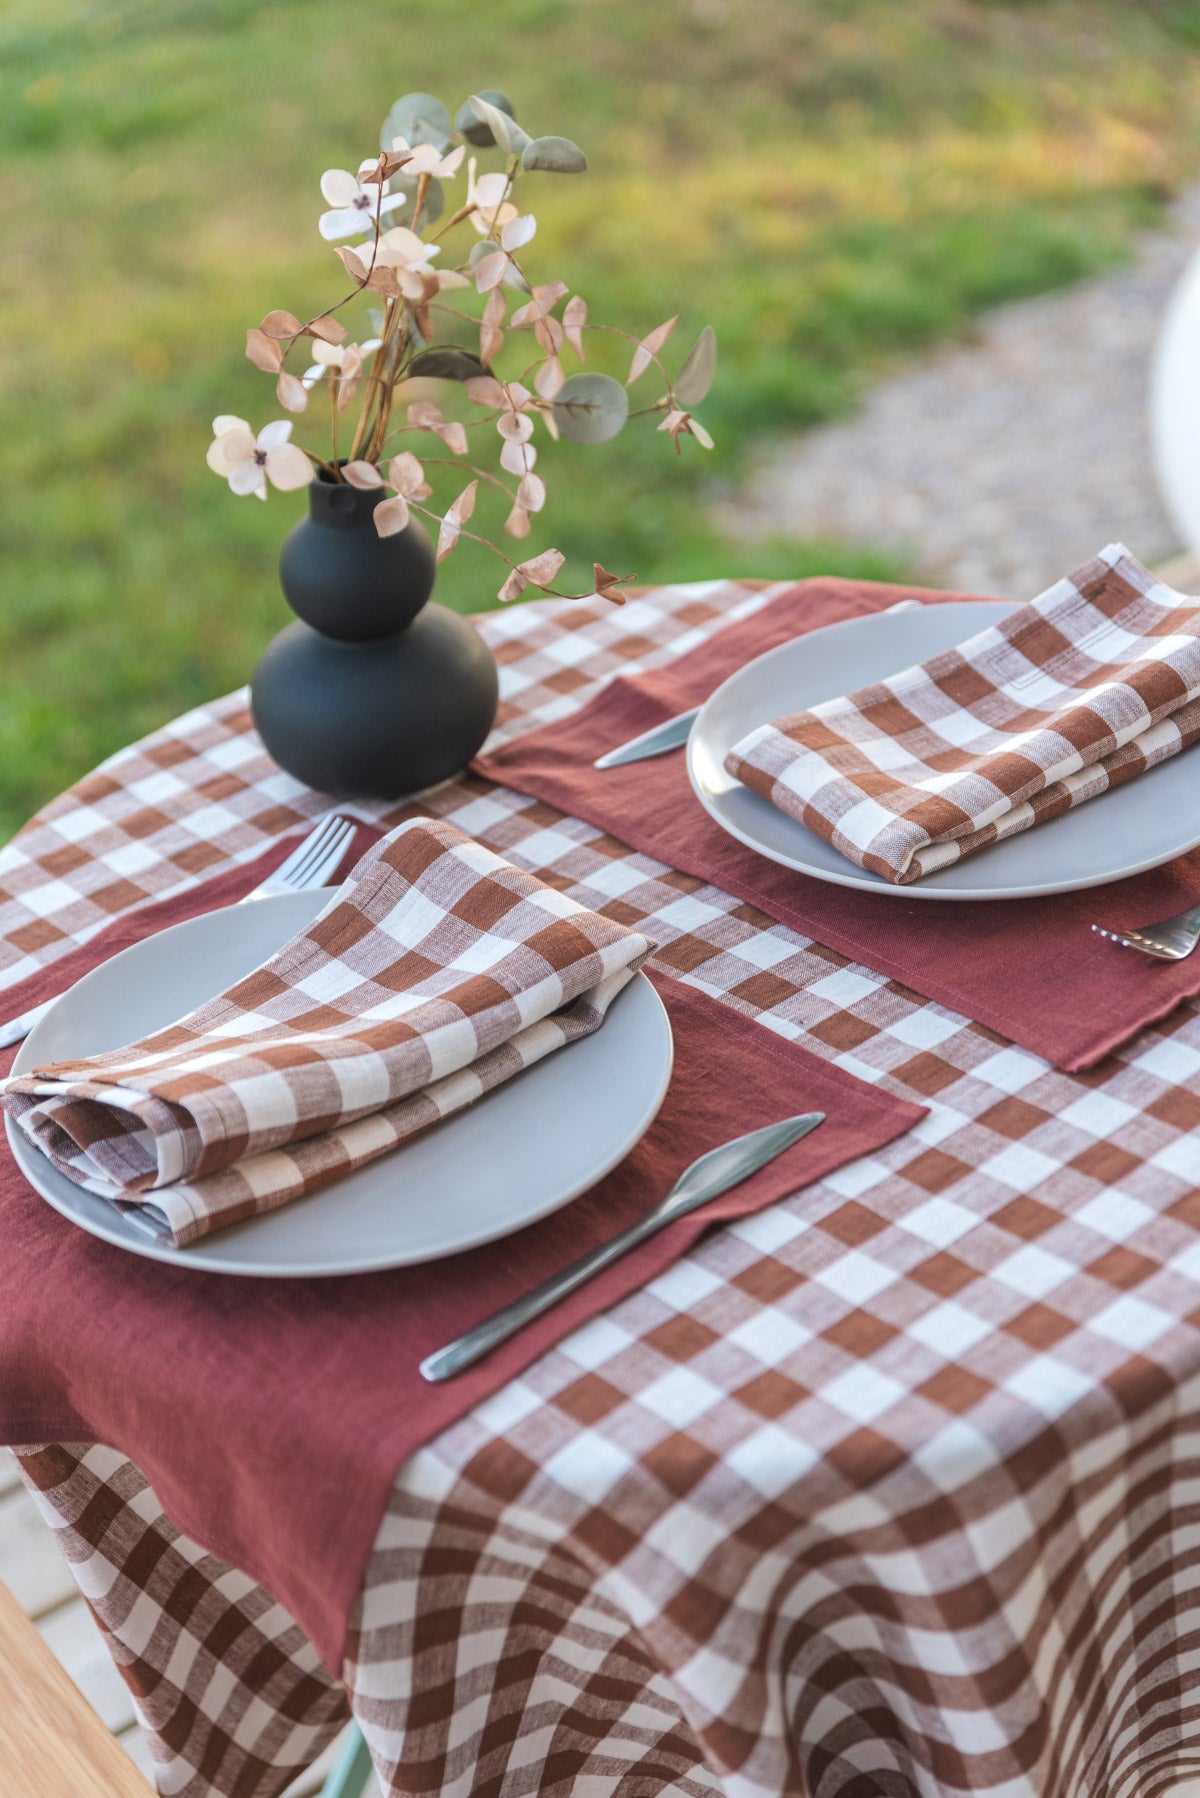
(338, 505)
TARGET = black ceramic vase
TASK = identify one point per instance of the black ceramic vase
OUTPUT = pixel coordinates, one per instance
(373, 693)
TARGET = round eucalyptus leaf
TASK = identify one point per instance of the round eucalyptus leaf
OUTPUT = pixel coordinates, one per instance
(472, 127)
(700, 365)
(432, 208)
(446, 362)
(504, 129)
(590, 408)
(557, 155)
(418, 119)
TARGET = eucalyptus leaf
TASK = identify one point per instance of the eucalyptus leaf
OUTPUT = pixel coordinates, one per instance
(434, 203)
(505, 130)
(700, 365)
(557, 155)
(446, 362)
(477, 130)
(418, 119)
(590, 408)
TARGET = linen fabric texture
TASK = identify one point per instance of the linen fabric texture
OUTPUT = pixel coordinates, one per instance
(1082, 689)
(890, 1446)
(434, 974)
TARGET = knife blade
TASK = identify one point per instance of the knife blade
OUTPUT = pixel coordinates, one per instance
(671, 734)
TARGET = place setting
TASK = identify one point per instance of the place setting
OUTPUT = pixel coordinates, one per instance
(130, 998)
(402, 1133)
(946, 755)
(442, 1051)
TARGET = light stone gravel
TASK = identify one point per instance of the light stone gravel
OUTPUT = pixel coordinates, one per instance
(997, 465)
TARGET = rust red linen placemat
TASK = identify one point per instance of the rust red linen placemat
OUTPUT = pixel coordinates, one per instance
(270, 1415)
(1032, 969)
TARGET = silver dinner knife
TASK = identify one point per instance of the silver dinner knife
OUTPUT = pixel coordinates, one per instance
(671, 734)
(706, 1179)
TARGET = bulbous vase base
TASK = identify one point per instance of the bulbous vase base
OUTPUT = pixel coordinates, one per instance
(378, 719)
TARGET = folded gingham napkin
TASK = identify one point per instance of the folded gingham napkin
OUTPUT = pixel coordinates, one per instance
(1074, 693)
(433, 975)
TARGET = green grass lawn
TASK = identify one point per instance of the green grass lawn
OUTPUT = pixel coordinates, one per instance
(831, 183)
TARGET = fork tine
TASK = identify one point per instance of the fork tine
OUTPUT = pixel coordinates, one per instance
(1174, 950)
(294, 870)
(314, 861)
(326, 852)
(318, 874)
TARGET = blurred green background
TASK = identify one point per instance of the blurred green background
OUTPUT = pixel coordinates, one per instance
(832, 184)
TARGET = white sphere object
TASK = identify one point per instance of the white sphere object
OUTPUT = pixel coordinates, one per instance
(1175, 407)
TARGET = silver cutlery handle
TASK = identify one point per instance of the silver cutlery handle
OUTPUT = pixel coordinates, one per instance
(707, 1178)
(505, 1323)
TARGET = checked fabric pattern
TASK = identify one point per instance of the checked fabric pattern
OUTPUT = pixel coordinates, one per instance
(892, 1488)
(1079, 691)
(438, 972)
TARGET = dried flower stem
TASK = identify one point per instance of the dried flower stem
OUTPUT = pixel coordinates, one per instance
(482, 474)
(378, 361)
(435, 518)
(395, 326)
(468, 424)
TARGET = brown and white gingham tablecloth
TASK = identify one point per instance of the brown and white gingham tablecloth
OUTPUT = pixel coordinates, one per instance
(894, 1488)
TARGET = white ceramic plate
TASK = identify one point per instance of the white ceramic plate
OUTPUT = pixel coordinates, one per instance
(1150, 821)
(520, 1153)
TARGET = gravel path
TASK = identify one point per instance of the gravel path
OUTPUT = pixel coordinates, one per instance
(998, 465)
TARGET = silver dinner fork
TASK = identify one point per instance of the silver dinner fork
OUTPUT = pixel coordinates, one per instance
(1172, 940)
(309, 865)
